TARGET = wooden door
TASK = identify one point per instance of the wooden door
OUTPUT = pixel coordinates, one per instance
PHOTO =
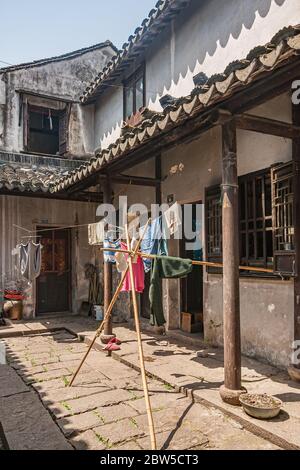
(54, 283)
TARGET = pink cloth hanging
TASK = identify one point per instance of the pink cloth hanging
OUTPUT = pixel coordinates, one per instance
(138, 273)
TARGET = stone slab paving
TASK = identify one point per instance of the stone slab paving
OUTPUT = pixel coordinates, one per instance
(105, 409)
(10, 382)
(28, 426)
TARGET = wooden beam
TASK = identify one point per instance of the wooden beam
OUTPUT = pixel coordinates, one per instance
(231, 390)
(267, 126)
(135, 180)
(61, 196)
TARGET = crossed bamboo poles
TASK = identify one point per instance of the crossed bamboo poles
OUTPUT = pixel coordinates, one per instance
(133, 254)
(129, 269)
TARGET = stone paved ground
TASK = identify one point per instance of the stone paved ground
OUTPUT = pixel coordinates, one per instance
(105, 409)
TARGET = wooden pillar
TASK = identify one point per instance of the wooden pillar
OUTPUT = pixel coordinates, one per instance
(296, 158)
(107, 199)
(231, 390)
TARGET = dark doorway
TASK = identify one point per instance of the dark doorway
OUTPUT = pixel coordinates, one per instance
(43, 131)
(145, 302)
(54, 283)
(192, 286)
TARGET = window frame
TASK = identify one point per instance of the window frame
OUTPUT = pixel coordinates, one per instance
(214, 195)
(63, 127)
(131, 81)
(267, 262)
(256, 261)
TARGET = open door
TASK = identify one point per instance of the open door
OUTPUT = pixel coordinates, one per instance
(192, 285)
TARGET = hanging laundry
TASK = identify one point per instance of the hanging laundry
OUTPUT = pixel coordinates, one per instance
(50, 120)
(36, 259)
(154, 242)
(96, 233)
(110, 256)
(24, 260)
(30, 260)
(121, 263)
(164, 268)
(138, 274)
(173, 218)
(133, 245)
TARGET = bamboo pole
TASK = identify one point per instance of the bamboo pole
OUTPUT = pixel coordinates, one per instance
(110, 308)
(101, 328)
(197, 263)
(140, 346)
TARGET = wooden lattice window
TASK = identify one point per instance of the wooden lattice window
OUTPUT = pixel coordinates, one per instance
(213, 218)
(283, 177)
(267, 234)
(256, 224)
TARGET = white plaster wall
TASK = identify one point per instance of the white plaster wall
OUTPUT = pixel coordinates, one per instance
(209, 35)
(108, 117)
(28, 213)
(205, 37)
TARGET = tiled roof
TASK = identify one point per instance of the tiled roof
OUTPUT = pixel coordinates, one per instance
(67, 56)
(158, 18)
(237, 75)
(31, 173)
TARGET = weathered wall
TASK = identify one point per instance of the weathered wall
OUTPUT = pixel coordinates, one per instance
(266, 306)
(205, 37)
(66, 79)
(266, 317)
(28, 213)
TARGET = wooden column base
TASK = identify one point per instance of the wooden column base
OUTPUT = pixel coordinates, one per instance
(105, 339)
(232, 397)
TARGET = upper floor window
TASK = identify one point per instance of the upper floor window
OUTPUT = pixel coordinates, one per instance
(45, 130)
(134, 93)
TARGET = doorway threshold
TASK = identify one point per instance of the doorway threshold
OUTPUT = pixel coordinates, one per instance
(45, 316)
(196, 339)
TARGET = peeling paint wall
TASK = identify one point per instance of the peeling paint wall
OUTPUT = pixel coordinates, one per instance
(65, 79)
(267, 308)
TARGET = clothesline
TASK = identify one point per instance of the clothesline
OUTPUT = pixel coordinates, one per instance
(62, 228)
(195, 263)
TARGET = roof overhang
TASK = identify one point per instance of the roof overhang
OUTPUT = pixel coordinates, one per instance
(245, 84)
(132, 51)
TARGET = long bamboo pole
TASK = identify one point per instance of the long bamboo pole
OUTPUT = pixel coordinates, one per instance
(197, 263)
(140, 346)
(110, 308)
